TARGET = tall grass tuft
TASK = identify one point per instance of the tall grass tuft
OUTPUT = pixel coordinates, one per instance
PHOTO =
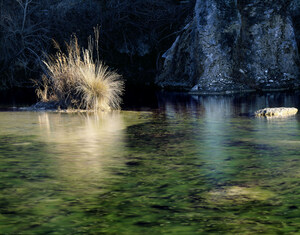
(76, 80)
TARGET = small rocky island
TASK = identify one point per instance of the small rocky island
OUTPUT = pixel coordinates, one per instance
(276, 112)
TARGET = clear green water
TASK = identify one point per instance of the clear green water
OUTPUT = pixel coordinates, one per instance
(192, 166)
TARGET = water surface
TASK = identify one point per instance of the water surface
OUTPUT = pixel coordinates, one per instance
(191, 165)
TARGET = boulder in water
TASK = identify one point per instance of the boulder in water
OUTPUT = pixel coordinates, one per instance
(281, 112)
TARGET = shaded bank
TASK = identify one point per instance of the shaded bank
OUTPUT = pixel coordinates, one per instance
(145, 99)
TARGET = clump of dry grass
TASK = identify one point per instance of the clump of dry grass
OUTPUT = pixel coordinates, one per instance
(75, 80)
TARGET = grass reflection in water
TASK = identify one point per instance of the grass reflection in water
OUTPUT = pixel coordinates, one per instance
(185, 169)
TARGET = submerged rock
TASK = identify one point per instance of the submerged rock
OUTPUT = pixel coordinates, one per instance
(237, 195)
(235, 45)
(43, 106)
(270, 112)
(53, 106)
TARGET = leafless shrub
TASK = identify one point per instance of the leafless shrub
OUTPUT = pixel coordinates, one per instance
(22, 38)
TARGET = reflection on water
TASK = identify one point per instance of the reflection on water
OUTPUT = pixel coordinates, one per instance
(195, 165)
(226, 104)
(87, 144)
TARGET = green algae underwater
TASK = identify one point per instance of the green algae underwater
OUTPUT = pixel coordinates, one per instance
(193, 165)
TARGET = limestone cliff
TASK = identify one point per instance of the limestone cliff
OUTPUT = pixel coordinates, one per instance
(236, 45)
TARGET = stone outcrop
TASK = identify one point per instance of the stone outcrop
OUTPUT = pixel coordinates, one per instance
(236, 45)
(272, 112)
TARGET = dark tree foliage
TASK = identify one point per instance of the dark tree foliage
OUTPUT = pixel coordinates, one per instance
(133, 33)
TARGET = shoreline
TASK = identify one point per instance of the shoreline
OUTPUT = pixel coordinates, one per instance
(230, 92)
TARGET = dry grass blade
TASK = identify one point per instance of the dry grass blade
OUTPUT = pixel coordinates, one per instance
(77, 81)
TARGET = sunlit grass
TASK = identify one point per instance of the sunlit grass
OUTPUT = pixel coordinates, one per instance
(75, 80)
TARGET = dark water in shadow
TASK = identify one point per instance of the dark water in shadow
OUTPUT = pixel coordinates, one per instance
(188, 165)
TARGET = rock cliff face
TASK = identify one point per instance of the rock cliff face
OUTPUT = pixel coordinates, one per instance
(236, 45)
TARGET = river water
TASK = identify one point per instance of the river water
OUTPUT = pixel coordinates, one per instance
(185, 165)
